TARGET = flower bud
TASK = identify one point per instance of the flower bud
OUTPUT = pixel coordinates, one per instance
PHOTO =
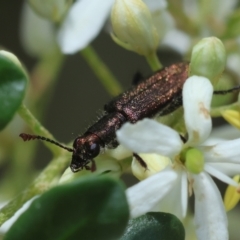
(155, 163)
(118, 153)
(194, 160)
(232, 116)
(133, 27)
(53, 10)
(232, 195)
(208, 59)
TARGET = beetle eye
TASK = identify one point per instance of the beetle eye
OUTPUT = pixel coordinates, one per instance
(93, 149)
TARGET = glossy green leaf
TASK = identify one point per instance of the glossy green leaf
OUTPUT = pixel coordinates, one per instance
(88, 208)
(13, 83)
(155, 226)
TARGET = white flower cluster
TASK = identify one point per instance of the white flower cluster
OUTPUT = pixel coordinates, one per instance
(190, 167)
(82, 21)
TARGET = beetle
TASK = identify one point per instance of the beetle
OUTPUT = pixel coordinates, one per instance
(159, 94)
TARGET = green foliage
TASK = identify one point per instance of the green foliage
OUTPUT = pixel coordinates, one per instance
(13, 83)
(232, 28)
(88, 208)
(155, 226)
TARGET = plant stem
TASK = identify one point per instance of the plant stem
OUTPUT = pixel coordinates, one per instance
(44, 76)
(154, 62)
(105, 76)
(37, 128)
(42, 183)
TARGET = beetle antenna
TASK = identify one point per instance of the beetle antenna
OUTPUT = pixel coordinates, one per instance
(227, 91)
(28, 137)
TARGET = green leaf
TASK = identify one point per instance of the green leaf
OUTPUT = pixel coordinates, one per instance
(88, 208)
(155, 226)
(13, 83)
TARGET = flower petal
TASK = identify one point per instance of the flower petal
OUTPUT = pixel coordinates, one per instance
(37, 43)
(82, 24)
(229, 169)
(176, 200)
(197, 96)
(149, 136)
(182, 44)
(162, 19)
(164, 22)
(219, 175)
(210, 217)
(232, 195)
(225, 132)
(145, 195)
(224, 151)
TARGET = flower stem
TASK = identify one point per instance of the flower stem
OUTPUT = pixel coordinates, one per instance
(44, 76)
(154, 62)
(42, 183)
(37, 128)
(105, 76)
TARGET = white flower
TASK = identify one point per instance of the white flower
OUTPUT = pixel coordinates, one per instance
(183, 40)
(37, 34)
(83, 22)
(167, 190)
(86, 19)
